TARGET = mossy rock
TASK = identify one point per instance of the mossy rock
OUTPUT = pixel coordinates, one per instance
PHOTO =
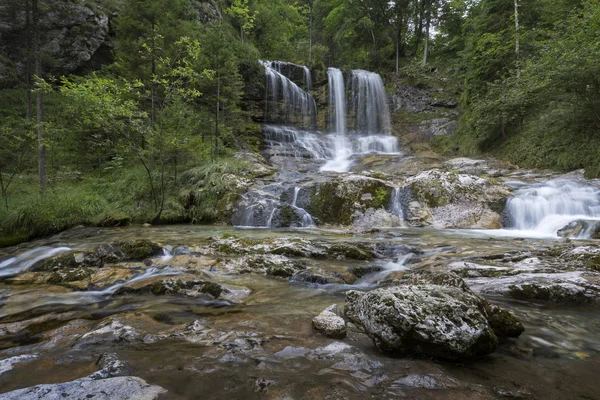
(139, 249)
(56, 263)
(337, 201)
(361, 271)
(350, 251)
(70, 275)
(553, 294)
(281, 272)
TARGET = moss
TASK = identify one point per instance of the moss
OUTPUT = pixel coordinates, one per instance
(139, 249)
(288, 216)
(350, 251)
(54, 263)
(228, 236)
(281, 272)
(214, 289)
(70, 275)
(504, 323)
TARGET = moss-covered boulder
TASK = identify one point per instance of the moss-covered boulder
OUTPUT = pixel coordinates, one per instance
(140, 249)
(456, 200)
(339, 200)
(424, 320)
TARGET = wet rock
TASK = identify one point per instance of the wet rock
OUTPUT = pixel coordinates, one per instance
(126, 387)
(376, 218)
(361, 271)
(111, 330)
(424, 382)
(289, 247)
(109, 366)
(503, 323)
(426, 320)
(8, 363)
(438, 127)
(189, 286)
(319, 279)
(329, 323)
(477, 167)
(581, 229)
(350, 251)
(268, 264)
(346, 198)
(456, 200)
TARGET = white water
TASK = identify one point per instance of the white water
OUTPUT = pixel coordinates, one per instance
(396, 204)
(370, 104)
(371, 116)
(16, 265)
(285, 101)
(307, 219)
(547, 207)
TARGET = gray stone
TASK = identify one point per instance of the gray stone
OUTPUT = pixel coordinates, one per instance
(429, 320)
(329, 323)
(125, 387)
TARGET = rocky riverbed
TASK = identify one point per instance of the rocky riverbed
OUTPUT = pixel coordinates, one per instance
(173, 311)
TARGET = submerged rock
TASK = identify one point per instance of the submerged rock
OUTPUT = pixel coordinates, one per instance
(329, 323)
(125, 388)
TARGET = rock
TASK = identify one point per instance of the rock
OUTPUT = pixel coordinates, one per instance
(346, 198)
(361, 271)
(427, 320)
(350, 251)
(438, 127)
(125, 387)
(471, 166)
(73, 35)
(457, 200)
(329, 323)
(310, 277)
(376, 218)
(268, 264)
(581, 229)
(189, 286)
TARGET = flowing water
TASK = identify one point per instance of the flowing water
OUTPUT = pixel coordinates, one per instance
(292, 361)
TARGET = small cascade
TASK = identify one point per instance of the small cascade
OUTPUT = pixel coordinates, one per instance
(307, 78)
(307, 219)
(370, 104)
(16, 265)
(547, 207)
(396, 203)
(285, 141)
(285, 101)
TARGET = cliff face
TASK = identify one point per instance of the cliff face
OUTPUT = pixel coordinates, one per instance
(74, 36)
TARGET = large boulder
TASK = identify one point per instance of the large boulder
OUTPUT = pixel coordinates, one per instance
(430, 320)
(346, 199)
(431, 315)
(457, 200)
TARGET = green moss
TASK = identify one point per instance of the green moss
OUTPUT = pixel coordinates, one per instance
(350, 251)
(70, 275)
(59, 262)
(281, 272)
(139, 249)
(214, 289)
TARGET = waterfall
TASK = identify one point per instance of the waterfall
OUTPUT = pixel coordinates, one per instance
(337, 101)
(370, 104)
(307, 78)
(396, 203)
(547, 207)
(307, 219)
(285, 101)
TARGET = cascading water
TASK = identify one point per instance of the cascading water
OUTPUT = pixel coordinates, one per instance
(544, 208)
(369, 104)
(297, 148)
(285, 101)
(370, 118)
(396, 203)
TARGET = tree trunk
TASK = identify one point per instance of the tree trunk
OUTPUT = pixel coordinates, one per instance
(41, 136)
(152, 85)
(217, 116)
(310, 34)
(419, 27)
(517, 38)
(426, 50)
(29, 52)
